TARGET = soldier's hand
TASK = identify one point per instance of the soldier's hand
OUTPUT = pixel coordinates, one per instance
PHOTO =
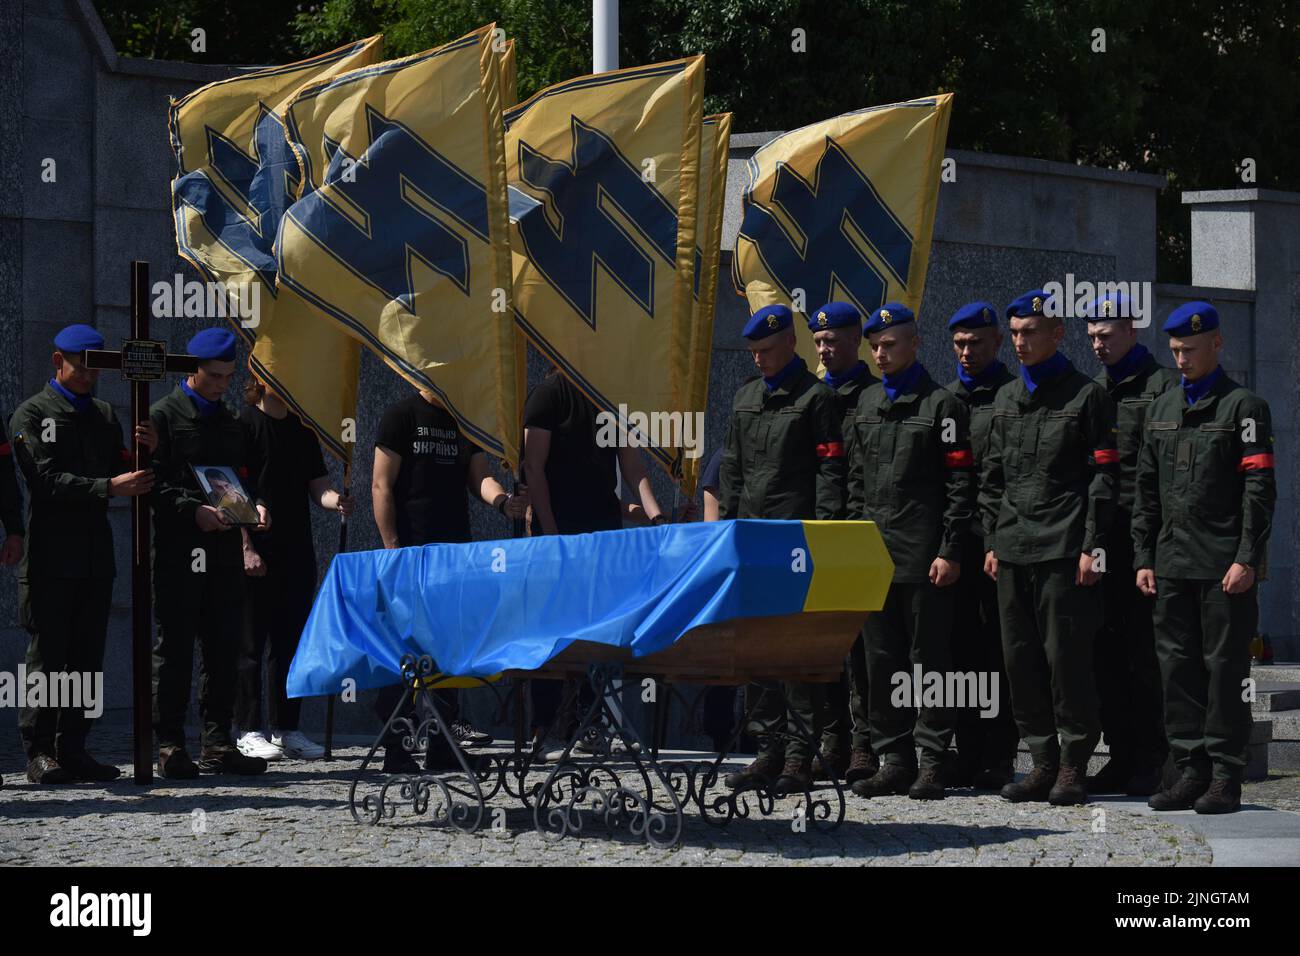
(131, 483)
(254, 566)
(1088, 574)
(264, 518)
(346, 505)
(12, 552)
(516, 506)
(944, 572)
(209, 518)
(1146, 582)
(146, 435)
(991, 565)
(1239, 579)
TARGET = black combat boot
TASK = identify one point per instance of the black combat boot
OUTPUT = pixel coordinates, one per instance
(890, 779)
(1181, 796)
(1068, 791)
(862, 765)
(175, 763)
(45, 769)
(796, 776)
(87, 769)
(761, 773)
(928, 785)
(836, 763)
(1224, 796)
(226, 759)
(1036, 786)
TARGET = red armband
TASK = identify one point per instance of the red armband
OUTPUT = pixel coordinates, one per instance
(832, 449)
(1255, 462)
(963, 458)
(1106, 456)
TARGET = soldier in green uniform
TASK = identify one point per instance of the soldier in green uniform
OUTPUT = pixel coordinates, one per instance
(1128, 675)
(69, 447)
(911, 472)
(1047, 492)
(1205, 497)
(784, 458)
(986, 745)
(842, 718)
(198, 565)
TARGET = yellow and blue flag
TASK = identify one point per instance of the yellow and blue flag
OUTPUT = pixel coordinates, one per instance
(603, 177)
(235, 178)
(714, 151)
(398, 231)
(843, 210)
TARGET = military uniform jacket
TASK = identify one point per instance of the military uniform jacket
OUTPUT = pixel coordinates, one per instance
(1133, 397)
(847, 396)
(1047, 481)
(784, 456)
(67, 484)
(185, 438)
(979, 405)
(1205, 484)
(918, 488)
(11, 502)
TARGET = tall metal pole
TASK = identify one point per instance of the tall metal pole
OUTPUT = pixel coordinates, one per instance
(343, 546)
(142, 565)
(604, 35)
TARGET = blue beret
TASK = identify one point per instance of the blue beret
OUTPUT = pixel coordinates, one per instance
(1115, 305)
(887, 316)
(768, 320)
(1031, 303)
(78, 338)
(1192, 318)
(974, 315)
(834, 315)
(213, 344)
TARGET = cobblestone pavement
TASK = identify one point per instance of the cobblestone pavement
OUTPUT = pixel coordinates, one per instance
(298, 814)
(1280, 791)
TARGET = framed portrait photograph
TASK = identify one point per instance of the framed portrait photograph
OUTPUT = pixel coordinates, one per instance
(226, 493)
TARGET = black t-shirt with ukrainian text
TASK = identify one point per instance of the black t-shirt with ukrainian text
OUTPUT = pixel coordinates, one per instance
(429, 495)
(581, 474)
(284, 456)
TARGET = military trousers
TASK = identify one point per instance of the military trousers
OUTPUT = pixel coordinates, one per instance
(859, 694)
(1049, 626)
(824, 709)
(912, 629)
(206, 607)
(1128, 673)
(984, 742)
(67, 620)
(1203, 643)
(276, 608)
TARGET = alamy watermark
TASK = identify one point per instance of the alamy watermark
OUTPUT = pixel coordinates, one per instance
(207, 300)
(946, 689)
(661, 429)
(1075, 300)
(75, 690)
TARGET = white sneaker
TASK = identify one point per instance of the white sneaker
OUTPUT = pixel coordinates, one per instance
(297, 745)
(252, 743)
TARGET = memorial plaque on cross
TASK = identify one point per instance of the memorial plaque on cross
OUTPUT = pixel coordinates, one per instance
(141, 360)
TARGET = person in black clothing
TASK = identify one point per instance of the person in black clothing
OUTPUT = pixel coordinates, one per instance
(573, 481)
(423, 467)
(280, 565)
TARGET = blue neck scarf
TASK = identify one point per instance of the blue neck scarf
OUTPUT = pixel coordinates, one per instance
(80, 403)
(899, 385)
(1136, 358)
(835, 381)
(206, 408)
(993, 370)
(779, 378)
(1034, 375)
(1195, 391)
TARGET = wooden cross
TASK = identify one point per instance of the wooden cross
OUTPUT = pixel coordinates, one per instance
(141, 361)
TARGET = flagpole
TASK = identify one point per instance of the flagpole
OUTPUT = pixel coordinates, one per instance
(343, 546)
(604, 35)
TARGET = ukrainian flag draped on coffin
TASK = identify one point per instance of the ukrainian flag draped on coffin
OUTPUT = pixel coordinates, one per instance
(843, 210)
(603, 174)
(235, 178)
(399, 230)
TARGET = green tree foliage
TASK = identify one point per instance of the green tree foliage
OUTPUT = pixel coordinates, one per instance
(1189, 88)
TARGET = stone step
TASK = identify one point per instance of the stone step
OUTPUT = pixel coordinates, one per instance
(1272, 696)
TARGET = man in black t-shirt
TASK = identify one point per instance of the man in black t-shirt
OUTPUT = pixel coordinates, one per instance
(280, 566)
(423, 467)
(573, 483)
